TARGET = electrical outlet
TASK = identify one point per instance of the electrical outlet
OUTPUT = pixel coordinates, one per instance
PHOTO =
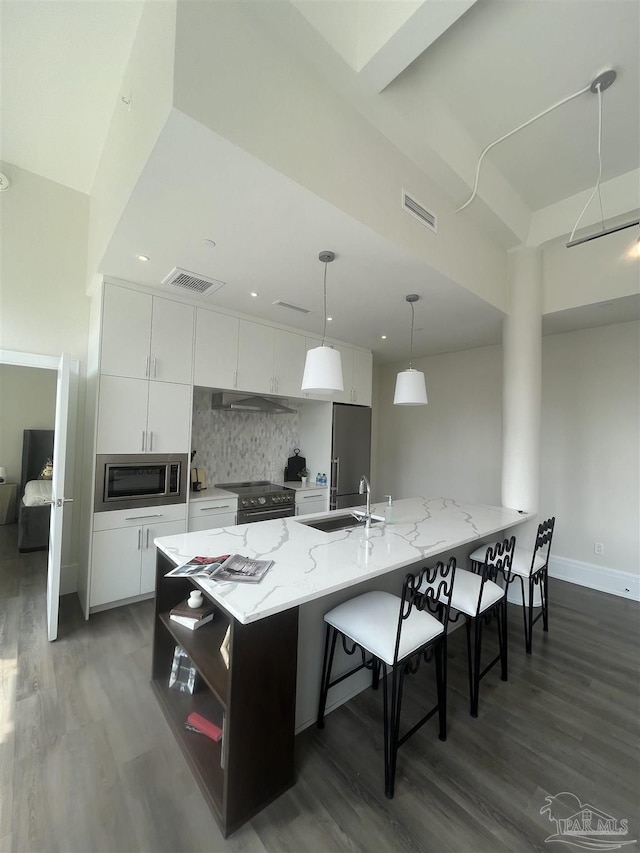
(598, 548)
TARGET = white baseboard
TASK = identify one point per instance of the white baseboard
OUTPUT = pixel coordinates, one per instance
(604, 579)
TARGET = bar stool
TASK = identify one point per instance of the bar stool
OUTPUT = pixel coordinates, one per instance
(534, 568)
(478, 598)
(393, 635)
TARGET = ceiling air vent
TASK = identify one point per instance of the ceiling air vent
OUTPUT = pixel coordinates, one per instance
(291, 307)
(420, 212)
(186, 280)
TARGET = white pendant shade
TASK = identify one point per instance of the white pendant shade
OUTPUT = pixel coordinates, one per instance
(410, 389)
(322, 371)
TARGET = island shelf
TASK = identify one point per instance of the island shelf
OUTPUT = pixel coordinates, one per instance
(252, 699)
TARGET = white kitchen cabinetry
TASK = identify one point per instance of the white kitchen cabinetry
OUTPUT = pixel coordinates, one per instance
(255, 358)
(289, 354)
(138, 416)
(357, 370)
(146, 337)
(208, 514)
(216, 350)
(311, 500)
(123, 555)
(270, 360)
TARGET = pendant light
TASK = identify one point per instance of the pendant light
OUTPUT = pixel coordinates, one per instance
(323, 367)
(410, 386)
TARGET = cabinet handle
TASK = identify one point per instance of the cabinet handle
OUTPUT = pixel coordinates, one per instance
(139, 538)
(147, 545)
(140, 517)
(214, 508)
(310, 497)
(146, 365)
(235, 378)
(150, 441)
(155, 367)
(142, 447)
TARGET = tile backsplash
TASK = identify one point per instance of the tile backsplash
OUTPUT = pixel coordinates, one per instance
(235, 446)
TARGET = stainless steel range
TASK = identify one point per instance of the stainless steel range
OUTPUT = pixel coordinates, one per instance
(261, 501)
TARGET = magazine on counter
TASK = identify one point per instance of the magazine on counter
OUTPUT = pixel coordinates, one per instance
(241, 569)
(198, 567)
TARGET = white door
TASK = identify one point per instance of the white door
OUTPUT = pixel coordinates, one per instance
(57, 494)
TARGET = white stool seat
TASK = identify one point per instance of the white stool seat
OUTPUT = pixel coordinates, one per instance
(371, 621)
(521, 564)
(531, 567)
(466, 591)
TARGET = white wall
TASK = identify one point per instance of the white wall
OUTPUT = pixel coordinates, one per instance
(452, 446)
(27, 401)
(590, 441)
(43, 305)
(134, 128)
(590, 444)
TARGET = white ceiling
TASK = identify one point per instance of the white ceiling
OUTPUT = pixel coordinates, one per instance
(440, 79)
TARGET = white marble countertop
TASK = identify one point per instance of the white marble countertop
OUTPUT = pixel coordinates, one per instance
(309, 563)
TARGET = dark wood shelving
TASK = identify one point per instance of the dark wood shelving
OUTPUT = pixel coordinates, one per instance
(203, 754)
(203, 646)
(253, 700)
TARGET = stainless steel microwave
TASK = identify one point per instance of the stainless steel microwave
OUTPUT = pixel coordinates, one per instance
(149, 479)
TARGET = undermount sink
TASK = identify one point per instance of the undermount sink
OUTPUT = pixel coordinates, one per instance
(339, 522)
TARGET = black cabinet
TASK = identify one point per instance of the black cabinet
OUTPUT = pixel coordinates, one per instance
(252, 699)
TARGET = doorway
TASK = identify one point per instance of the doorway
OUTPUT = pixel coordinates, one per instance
(60, 546)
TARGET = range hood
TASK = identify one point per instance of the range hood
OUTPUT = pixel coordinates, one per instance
(223, 401)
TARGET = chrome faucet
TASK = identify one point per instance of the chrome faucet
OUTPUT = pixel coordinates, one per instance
(364, 484)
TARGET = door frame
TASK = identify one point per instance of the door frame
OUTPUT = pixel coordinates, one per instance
(46, 362)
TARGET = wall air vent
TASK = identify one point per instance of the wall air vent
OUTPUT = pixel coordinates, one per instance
(186, 280)
(291, 307)
(418, 211)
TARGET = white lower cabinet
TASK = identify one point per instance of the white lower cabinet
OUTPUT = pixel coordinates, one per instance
(208, 514)
(123, 556)
(311, 500)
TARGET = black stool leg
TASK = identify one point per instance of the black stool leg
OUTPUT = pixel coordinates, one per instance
(327, 663)
(441, 686)
(544, 587)
(474, 661)
(392, 728)
(529, 636)
(502, 628)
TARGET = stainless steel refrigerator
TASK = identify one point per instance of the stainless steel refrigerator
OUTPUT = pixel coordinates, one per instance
(350, 454)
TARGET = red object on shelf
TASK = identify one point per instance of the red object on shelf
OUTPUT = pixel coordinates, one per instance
(205, 726)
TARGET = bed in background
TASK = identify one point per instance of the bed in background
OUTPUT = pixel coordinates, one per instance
(35, 490)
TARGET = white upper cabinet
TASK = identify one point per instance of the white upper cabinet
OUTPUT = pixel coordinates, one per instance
(216, 350)
(357, 369)
(255, 358)
(138, 416)
(171, 353)
(362, 377)
(270, 361)
(289, 355)
(146, 337)
(126, 332)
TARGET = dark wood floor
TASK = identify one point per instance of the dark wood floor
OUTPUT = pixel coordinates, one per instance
(87, 762)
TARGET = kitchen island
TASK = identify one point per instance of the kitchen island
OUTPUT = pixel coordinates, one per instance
(263, 686)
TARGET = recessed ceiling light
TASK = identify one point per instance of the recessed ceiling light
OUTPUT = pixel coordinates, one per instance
(254, 294)
(384, 337)
(329, 319)
(143, 257)
(210, 244)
